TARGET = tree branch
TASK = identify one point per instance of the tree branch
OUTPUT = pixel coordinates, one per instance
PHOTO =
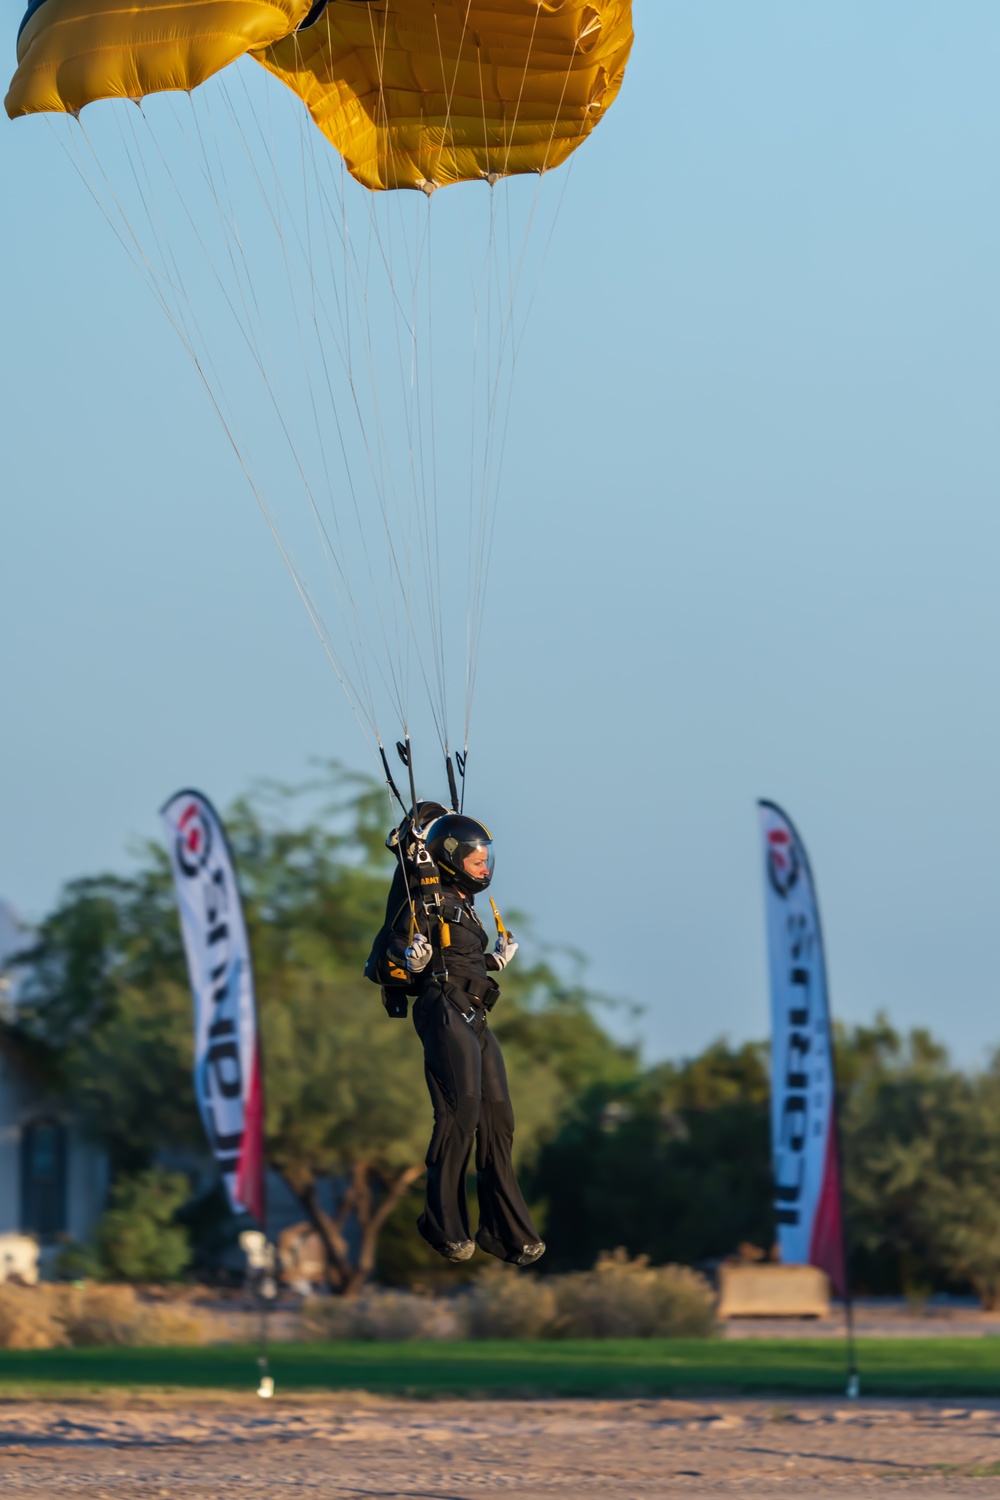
(371, 1230)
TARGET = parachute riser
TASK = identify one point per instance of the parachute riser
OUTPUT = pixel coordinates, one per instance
(406, 756)
(452, 786)
(389, 781)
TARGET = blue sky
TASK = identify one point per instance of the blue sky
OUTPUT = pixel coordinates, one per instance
(747, 533)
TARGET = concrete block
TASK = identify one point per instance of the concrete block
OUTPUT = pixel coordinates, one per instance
(768, 1291)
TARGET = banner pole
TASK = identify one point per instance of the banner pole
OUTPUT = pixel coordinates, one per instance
(265, 1386)
(853, 1378)
(853, 1381)
(262, 1268)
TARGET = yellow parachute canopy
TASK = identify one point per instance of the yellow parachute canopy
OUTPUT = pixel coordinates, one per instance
(413, 93)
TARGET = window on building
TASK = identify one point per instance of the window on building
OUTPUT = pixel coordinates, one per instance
(43, 1179)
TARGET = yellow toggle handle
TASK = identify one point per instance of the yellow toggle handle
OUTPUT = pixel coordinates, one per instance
(501, 929)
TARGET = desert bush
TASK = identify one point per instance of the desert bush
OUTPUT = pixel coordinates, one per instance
(622, 1298)
(619, 1298)
(382, 1315)
(98, 1315)
(90, 1315)
(506, 1305)
(28, 1319)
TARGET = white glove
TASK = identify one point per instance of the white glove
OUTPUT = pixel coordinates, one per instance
(504, 950)
(418, 954)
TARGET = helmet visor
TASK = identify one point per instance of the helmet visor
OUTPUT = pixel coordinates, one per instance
(475, 860)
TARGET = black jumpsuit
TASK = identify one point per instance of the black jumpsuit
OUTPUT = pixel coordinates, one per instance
(467, 1081)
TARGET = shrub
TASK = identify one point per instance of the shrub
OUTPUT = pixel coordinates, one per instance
(506, 1305)
(137, 1239)
(95, 1315)
(51, 1317)
(619, 1298)
(622, 1298)
(76, 1262)
(381, 1315)
(28, 1319)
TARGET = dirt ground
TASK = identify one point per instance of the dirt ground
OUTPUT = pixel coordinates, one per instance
(359, 1446)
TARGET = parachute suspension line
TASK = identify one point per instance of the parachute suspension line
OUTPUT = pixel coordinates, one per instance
(153, 278)
(520, 92)
(254, 335)
(486, 561)
(270, 369)
(437, 702)
(377, 460)
(342, 344)
(171, 281)
(487, 491)
(484, 558)
(159, 280)
(449, 90)
(353, 619)
(409, 386)
(394, 692)
(273, 387)
(380, 50)
(359, 626)
(386, 255)
(434, 563)
(410, 395)
(490, 482)
(400, 855)
(385, 249)
(244, 324)
(517, 346)
(477, 290)
(405, 597)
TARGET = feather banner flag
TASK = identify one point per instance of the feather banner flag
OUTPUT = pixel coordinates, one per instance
(227, 1063)
(804, 1134)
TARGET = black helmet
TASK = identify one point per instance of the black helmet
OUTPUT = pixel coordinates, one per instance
(450, 841)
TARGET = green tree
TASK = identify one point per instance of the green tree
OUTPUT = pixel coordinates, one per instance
(961, 1205)
(138, 1238)
(922, 1156)
(673, 1163)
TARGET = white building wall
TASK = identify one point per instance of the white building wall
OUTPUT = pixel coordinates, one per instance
(14, 1103)
(87, 1180)
(22, 1101)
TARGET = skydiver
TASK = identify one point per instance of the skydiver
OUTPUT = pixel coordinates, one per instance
(452, 973)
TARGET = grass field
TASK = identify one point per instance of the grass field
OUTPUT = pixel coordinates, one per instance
(611, 1367)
